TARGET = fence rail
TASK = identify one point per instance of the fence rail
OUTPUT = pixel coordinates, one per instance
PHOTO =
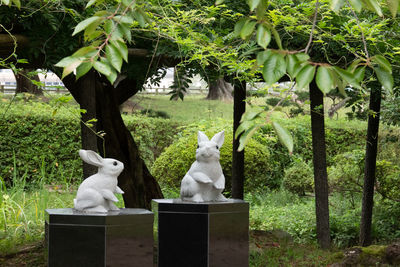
(10, 89)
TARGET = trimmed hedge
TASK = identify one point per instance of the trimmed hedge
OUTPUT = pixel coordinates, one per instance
(40, 141)
(176, 160)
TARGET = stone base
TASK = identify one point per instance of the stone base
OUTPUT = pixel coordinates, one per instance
(116, 238)
(202, 234)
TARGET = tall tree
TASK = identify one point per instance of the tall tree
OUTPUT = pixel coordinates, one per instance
(220, 90)
(319, 162)
(24, 79)
(370, 165)
(239, 107)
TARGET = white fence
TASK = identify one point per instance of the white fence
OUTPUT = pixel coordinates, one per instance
(10, 89)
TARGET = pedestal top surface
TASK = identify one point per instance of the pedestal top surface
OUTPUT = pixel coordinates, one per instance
(178, 205)
(72, 216)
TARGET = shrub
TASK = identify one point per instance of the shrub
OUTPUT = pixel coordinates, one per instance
(176, 160)
(346, 175)
(38, 143)
(298, 178)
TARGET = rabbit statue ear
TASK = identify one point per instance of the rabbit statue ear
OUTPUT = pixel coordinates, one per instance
(219, 138)
(201, 137)
(91, 157)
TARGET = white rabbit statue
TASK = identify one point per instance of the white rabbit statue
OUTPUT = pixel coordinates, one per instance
(96, 193)
(205, 180)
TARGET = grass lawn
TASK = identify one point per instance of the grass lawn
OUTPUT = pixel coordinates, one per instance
(191, 109)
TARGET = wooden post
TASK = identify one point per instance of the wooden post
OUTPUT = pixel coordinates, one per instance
(2, 88)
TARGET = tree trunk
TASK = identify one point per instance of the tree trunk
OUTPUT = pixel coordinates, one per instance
(239, 107)
(220, 90)
(370, 165)
(139, 185)
(24, 83)
(319, 161)
(87, 91)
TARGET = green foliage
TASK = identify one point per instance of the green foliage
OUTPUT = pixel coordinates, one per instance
(176, 160)
(347, 175)
(40, 141)
(299, 178)
(37, 145)
(273, 101)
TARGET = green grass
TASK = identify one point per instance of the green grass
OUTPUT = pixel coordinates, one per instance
(191, 109)
(22, 215)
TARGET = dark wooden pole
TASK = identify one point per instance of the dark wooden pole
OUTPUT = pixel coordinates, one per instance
(239, 107)
(319, 161)
(370, 165)
(87, 92)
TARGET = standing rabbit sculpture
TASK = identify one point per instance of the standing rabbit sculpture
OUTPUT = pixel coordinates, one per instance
(96, 193)
(205, 180)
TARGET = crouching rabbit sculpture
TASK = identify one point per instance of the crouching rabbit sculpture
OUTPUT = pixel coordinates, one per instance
(205, 180)
(96, 193)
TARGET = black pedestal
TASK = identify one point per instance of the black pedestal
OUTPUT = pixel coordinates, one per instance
(116, 238)
(202, 234)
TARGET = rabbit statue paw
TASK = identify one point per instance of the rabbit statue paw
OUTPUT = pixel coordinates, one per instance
(205, 180)
(96, 193)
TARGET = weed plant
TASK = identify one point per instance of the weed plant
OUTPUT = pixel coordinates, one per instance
(22, 209)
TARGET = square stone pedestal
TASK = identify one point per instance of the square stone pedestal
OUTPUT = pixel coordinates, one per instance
(202, 234)
(116, 238)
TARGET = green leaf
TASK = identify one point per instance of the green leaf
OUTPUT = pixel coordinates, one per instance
(263, 56)
(83, 69)
(339, 83)
(129, 3)
(114, 57)
(348, 77)
(124, 19)
(91, 2)
(126, 32)
(141, 17)
(109, 26)
(263, 36)
(302, 57)
(102, 67)
(336, 5)
(251, 114)
(243, 126)
(70, 68)
(112, 77)
(219, 2)
(261, 8)
(248, 28)
(274, 68)
(86, 51)
(85, 23)
(239, 26)
(356, 4)
(393, 6)
(122, 49)
(324, 79)
(292, 65)
(6, 2)
(385, 78)
(305, 76)
(374, 6)
(382, 62)
(284, 136)
(359, 74)
(277, 38)
(253, 4)
(246, 136)
(66, 61)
